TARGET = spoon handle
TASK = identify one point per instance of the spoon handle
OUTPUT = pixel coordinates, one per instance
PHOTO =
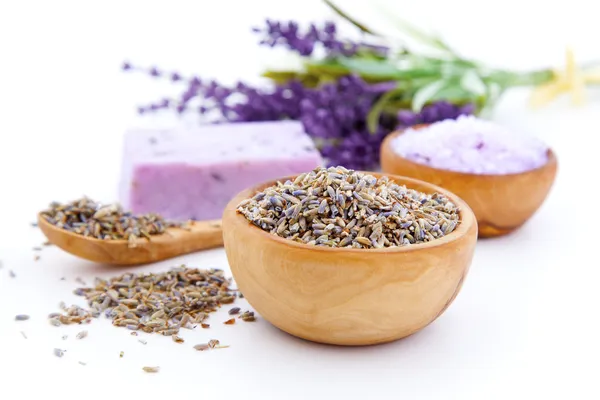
(200, 235)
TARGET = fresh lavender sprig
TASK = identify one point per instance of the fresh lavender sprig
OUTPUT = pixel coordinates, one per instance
(334, 114)
(305, 43)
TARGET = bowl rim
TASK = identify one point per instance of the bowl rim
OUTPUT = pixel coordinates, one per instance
(467, 219)
(386, 146)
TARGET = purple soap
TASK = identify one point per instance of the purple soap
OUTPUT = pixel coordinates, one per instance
(194, 173)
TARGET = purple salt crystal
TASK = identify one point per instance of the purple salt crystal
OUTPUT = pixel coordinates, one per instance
(471, 145)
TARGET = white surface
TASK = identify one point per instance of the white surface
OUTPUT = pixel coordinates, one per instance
(524, 326)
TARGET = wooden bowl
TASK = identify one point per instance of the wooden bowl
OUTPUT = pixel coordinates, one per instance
(348, 296)
(501, 203)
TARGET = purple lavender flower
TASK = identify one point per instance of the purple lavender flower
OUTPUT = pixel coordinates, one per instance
(288, 34)
(432, 113)
(333, 114)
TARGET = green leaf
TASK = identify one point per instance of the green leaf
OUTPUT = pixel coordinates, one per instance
(473, 83)
(348, 18)
(383, 69)
(370, 67)
(377, 109)
(426, 93)
(326, 68)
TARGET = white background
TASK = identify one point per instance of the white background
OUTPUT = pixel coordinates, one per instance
(524, 326)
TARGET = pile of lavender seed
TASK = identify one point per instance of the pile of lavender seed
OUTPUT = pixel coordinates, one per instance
(337, 207)
(108, 222)
(160, 303)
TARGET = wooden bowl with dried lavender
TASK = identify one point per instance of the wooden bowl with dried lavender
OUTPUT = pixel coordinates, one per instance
(349, 258)
(105, 233)
(504, 177)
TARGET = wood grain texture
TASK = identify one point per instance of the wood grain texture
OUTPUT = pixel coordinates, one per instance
(174, 242)
(501, 203)
(348, 296)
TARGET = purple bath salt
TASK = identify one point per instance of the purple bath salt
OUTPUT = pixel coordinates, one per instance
(192, 173)
(471, 145)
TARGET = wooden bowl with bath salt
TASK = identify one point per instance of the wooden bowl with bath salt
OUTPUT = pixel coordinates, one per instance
(348, 296)
(501, 203)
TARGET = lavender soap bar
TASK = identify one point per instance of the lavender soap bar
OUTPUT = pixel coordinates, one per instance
(194, 173)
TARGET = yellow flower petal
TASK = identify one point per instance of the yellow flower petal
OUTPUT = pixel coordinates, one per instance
(572, 80)
(578, 96)
(547, 92)
(571, 67)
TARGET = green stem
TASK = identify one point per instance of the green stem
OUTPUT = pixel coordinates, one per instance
(514, 79)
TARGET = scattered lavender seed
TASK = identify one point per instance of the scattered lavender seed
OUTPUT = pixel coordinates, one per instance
(230, 321)
(82, 363)
(80, 281)
(202, 347)
(151, 369)
(142, 341)
(205, 326)
(247, 316)
(12, 274)
(82, 334)
(59, 352)
(121, 354)
(24, 335)
(153, 303)
(21, 317)
(37, 248)
(64, 337)
(177, 339)
(234, 311)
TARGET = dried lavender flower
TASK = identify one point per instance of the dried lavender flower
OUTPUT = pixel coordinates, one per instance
(160, 303)
(82, 334)
(346, 208)
(89, 218)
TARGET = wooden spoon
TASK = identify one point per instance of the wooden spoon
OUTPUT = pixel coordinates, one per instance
(174, 242)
